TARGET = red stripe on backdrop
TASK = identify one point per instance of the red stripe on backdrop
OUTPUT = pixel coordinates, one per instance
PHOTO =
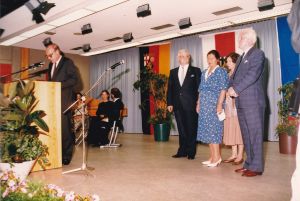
(225, 43)
(153, 52)
(5, 69)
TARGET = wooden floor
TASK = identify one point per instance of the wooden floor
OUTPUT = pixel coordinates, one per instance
(143, 170)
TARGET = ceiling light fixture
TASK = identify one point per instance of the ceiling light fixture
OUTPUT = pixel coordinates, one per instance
(184, 23)
(86, 48)
(127, 37)
(143, 11)
(263, 5)
(38, 7)
(86, 29)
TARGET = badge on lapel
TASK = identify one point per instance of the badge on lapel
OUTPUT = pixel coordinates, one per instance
(192, 75)
(246, 61)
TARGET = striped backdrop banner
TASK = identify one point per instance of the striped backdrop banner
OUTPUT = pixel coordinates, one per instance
(160, 58)
(224, 43)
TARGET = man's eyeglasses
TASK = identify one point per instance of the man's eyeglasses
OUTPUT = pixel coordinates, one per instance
(49, 56)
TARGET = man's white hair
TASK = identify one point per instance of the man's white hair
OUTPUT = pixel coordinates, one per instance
(185, 51)
(250, 35)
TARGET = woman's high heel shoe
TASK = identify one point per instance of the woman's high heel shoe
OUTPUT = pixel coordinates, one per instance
(206, 162)
(215, 164)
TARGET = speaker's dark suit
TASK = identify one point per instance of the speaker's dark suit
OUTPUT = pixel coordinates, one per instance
(66, 73)
(247, 83)
(184, 99)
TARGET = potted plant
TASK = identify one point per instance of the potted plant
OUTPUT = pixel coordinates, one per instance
(288, 123)
(20, 127)
(156, 85)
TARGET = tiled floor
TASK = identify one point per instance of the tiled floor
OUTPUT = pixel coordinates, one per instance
(143, 170)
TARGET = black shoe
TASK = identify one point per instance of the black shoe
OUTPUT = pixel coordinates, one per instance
(66, 161)
(178, 156)
(191, 157)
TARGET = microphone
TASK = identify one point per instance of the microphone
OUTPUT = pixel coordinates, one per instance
(116, 64)
(38, 64)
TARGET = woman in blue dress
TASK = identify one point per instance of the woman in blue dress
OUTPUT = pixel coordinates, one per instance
(212, 90)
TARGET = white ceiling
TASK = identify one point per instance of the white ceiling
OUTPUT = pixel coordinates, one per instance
(121, 18)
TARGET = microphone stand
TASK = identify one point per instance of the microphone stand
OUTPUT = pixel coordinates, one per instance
(84, 166)
(25, 69)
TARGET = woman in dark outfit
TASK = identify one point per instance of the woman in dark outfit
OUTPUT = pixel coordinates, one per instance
(98, 133)
(117, 107)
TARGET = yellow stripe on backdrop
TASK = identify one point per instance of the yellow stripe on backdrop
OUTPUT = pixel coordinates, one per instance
(24, 62)
(164, 59)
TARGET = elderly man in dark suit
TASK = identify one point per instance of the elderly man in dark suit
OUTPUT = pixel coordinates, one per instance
(182, 98)
(62, 69)
(247, 87)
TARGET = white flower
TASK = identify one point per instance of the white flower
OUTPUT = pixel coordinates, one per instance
(30, 195)
(11, 183)
(51, 186)
(60, 192)
(70, 196)
(95, 198)
(13, 188)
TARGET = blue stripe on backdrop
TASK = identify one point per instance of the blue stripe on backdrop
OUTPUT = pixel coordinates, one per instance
(289, 59)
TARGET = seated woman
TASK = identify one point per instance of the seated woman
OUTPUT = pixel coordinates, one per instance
(117, 107)
(99, 129)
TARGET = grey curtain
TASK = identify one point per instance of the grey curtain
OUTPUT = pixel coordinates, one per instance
(268, 42)
(123, 78)
(193, 44)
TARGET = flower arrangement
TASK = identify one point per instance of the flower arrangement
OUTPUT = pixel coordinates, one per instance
(21, 125)
(12, 189)
(287, 123)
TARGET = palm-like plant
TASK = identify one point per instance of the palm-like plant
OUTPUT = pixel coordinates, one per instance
(21, 125)
(156, 84)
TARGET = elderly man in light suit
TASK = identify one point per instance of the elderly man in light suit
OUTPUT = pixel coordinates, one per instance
(247, 88)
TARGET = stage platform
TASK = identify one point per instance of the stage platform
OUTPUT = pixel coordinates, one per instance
(143, 170)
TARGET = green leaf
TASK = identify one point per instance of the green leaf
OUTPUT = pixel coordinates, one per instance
(21, 105)
(12, 90)
(41, 123)
(28, 88)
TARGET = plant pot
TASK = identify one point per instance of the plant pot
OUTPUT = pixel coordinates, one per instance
(161, 132)
(21, 170)
(287, 143)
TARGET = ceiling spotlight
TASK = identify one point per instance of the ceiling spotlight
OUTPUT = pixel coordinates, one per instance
(143, 11)
(86, 29)
(38, 7)
(263, 5)
(44, 7)
(184, 23)
(1, 32)
(127, 37)
(86, 48)
(47, 41)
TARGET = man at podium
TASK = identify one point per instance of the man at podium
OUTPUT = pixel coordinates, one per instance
(62, 69)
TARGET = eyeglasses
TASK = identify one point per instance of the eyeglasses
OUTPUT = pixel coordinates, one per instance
(49, 56)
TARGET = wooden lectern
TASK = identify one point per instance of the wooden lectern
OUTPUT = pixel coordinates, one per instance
(48, 95)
